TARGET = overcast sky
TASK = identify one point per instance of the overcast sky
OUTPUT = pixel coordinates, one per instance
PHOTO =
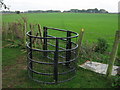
(24, 5)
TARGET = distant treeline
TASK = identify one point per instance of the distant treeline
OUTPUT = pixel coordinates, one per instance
(58, 11)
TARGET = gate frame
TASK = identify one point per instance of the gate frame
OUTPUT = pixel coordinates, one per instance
(56, 53)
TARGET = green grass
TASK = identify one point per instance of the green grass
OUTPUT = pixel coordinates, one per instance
(95, 25)
(15, 75)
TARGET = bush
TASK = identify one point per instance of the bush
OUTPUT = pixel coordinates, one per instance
(101, 46)
(116, 82)
(88, 53)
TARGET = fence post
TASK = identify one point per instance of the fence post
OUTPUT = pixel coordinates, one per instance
(56, 62)
(25, 29)
(68, 46)
(80, 41)
(40, 32)
(31, 66)
(45, 41)
(113, 53)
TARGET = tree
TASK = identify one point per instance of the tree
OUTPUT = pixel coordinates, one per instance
(103, 11)
(17, 12)
(2, 4)
(96, 10)
(74, 10)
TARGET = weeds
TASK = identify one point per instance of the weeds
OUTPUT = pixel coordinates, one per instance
(101, 46)
(15, 32)
(116, 82)
(94, 51)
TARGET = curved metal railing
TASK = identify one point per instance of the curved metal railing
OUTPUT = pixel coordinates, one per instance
(52, 59)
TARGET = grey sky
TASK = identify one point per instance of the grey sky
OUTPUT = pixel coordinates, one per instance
(23, 5)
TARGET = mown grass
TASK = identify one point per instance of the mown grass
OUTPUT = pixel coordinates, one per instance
(95, 25)
(15, 74)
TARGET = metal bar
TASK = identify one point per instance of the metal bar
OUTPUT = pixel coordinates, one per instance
(68, 46)
(76, 35)
(56, 62)
(45, 41)
(66, 80)
(33, 71)
(57, 29)
(63, 73)
(61, 30)
(55, 37)
(60, 47)
(54, 46)
(30, 44)
(59, 55)
(54, 50)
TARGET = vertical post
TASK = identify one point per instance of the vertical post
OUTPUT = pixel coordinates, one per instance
(45, 41)
(68, 46)
(40, 32)
(25, 29)
(31, 66)
(113, 53)
(56, 61)
(80, 40)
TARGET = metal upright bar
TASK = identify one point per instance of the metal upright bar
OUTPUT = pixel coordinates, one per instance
(56, 62)
(45, 41)
(31, 66)
(68, 46)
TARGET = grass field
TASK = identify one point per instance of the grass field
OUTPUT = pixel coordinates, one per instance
(15, 74)
(95, 25)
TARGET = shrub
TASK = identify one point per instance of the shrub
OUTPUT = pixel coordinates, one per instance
(101, 46)
(89, 52)
(116, 82)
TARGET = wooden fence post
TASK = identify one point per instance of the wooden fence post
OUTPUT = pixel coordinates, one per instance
(113, 53)
(80, 40)
(41, 35)
(25, 29)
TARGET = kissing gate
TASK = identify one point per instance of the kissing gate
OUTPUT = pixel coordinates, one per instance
(52, 59)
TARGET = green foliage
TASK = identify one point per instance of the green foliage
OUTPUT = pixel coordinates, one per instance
(119, 51)
(88, 53)
(15, 32)
(116, 82)
(101, 46)
(17, 12)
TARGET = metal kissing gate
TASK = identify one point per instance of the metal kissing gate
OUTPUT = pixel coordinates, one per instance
(52, 59)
